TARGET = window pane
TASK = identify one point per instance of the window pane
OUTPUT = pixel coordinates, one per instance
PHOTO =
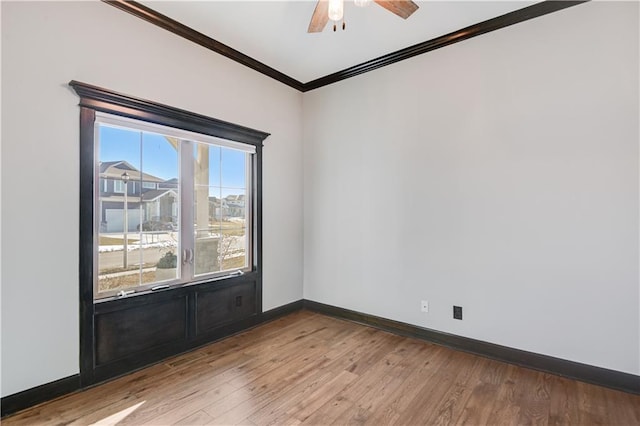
(214, 155)
(119, 154)
(118, 262)
(138, 223)
(233, 230)
(206, 170)
(139, 207)
(118, 186)
(207, 230)
(233, 172)
(220, 211)
(160, 207)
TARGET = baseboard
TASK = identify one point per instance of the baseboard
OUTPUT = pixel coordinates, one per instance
(586, 373)
(28, 398)
(281, 311)
(43, 393)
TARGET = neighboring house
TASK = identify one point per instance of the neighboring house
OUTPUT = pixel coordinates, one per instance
(230, 206)
(235, 205)
(168, 184)
(149, 198)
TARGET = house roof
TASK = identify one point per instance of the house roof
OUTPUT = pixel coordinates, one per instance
(115, 169)
(168, 184)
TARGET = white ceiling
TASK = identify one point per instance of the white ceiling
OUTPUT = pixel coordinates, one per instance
(275, 32)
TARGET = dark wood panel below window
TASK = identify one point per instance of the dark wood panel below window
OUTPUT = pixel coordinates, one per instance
(127, 332)
(218, 307)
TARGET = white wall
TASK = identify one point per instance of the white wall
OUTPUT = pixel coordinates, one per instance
(44, 46)
(499, 174)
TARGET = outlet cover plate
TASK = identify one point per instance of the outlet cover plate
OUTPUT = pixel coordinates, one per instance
(457, 312)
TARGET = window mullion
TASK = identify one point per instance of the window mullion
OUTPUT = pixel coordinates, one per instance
(248, 210)
(187, 237)
(97, 206)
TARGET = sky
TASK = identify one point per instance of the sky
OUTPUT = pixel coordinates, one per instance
(154, 155)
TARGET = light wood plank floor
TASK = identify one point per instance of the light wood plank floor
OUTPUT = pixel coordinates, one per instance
(307, 368)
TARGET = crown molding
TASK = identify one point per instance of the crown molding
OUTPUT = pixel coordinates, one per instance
(511, 18)
(145, 13)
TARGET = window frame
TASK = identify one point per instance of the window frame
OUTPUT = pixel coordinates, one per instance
(119, 187)
(186, 271)
(95, 99)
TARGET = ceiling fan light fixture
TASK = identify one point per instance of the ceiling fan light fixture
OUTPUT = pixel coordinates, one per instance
(336, 9)
(326, 10)
(362, 3)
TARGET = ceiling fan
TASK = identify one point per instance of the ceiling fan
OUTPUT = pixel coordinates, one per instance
(334, 10)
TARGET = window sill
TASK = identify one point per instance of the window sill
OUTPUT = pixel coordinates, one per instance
(209, 282)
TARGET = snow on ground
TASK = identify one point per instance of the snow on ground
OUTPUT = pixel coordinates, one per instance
(132, 247)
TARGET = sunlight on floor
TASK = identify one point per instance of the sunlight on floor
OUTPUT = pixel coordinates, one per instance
(117, 417)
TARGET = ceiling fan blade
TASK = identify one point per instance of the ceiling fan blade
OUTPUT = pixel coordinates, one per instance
(402, 8)
(320, 17)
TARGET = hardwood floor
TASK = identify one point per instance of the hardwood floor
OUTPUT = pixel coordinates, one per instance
(307, 368)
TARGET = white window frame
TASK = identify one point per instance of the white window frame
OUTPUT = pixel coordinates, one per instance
(118, 186)
(186, 268)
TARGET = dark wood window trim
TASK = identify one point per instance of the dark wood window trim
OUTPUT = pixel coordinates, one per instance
(99, 99)
(181, 307)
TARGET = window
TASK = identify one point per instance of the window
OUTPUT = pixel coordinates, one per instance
(195, 238)
(195, 224)
(118, 186)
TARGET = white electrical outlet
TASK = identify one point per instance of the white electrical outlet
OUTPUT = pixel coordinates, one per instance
(424, 306)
